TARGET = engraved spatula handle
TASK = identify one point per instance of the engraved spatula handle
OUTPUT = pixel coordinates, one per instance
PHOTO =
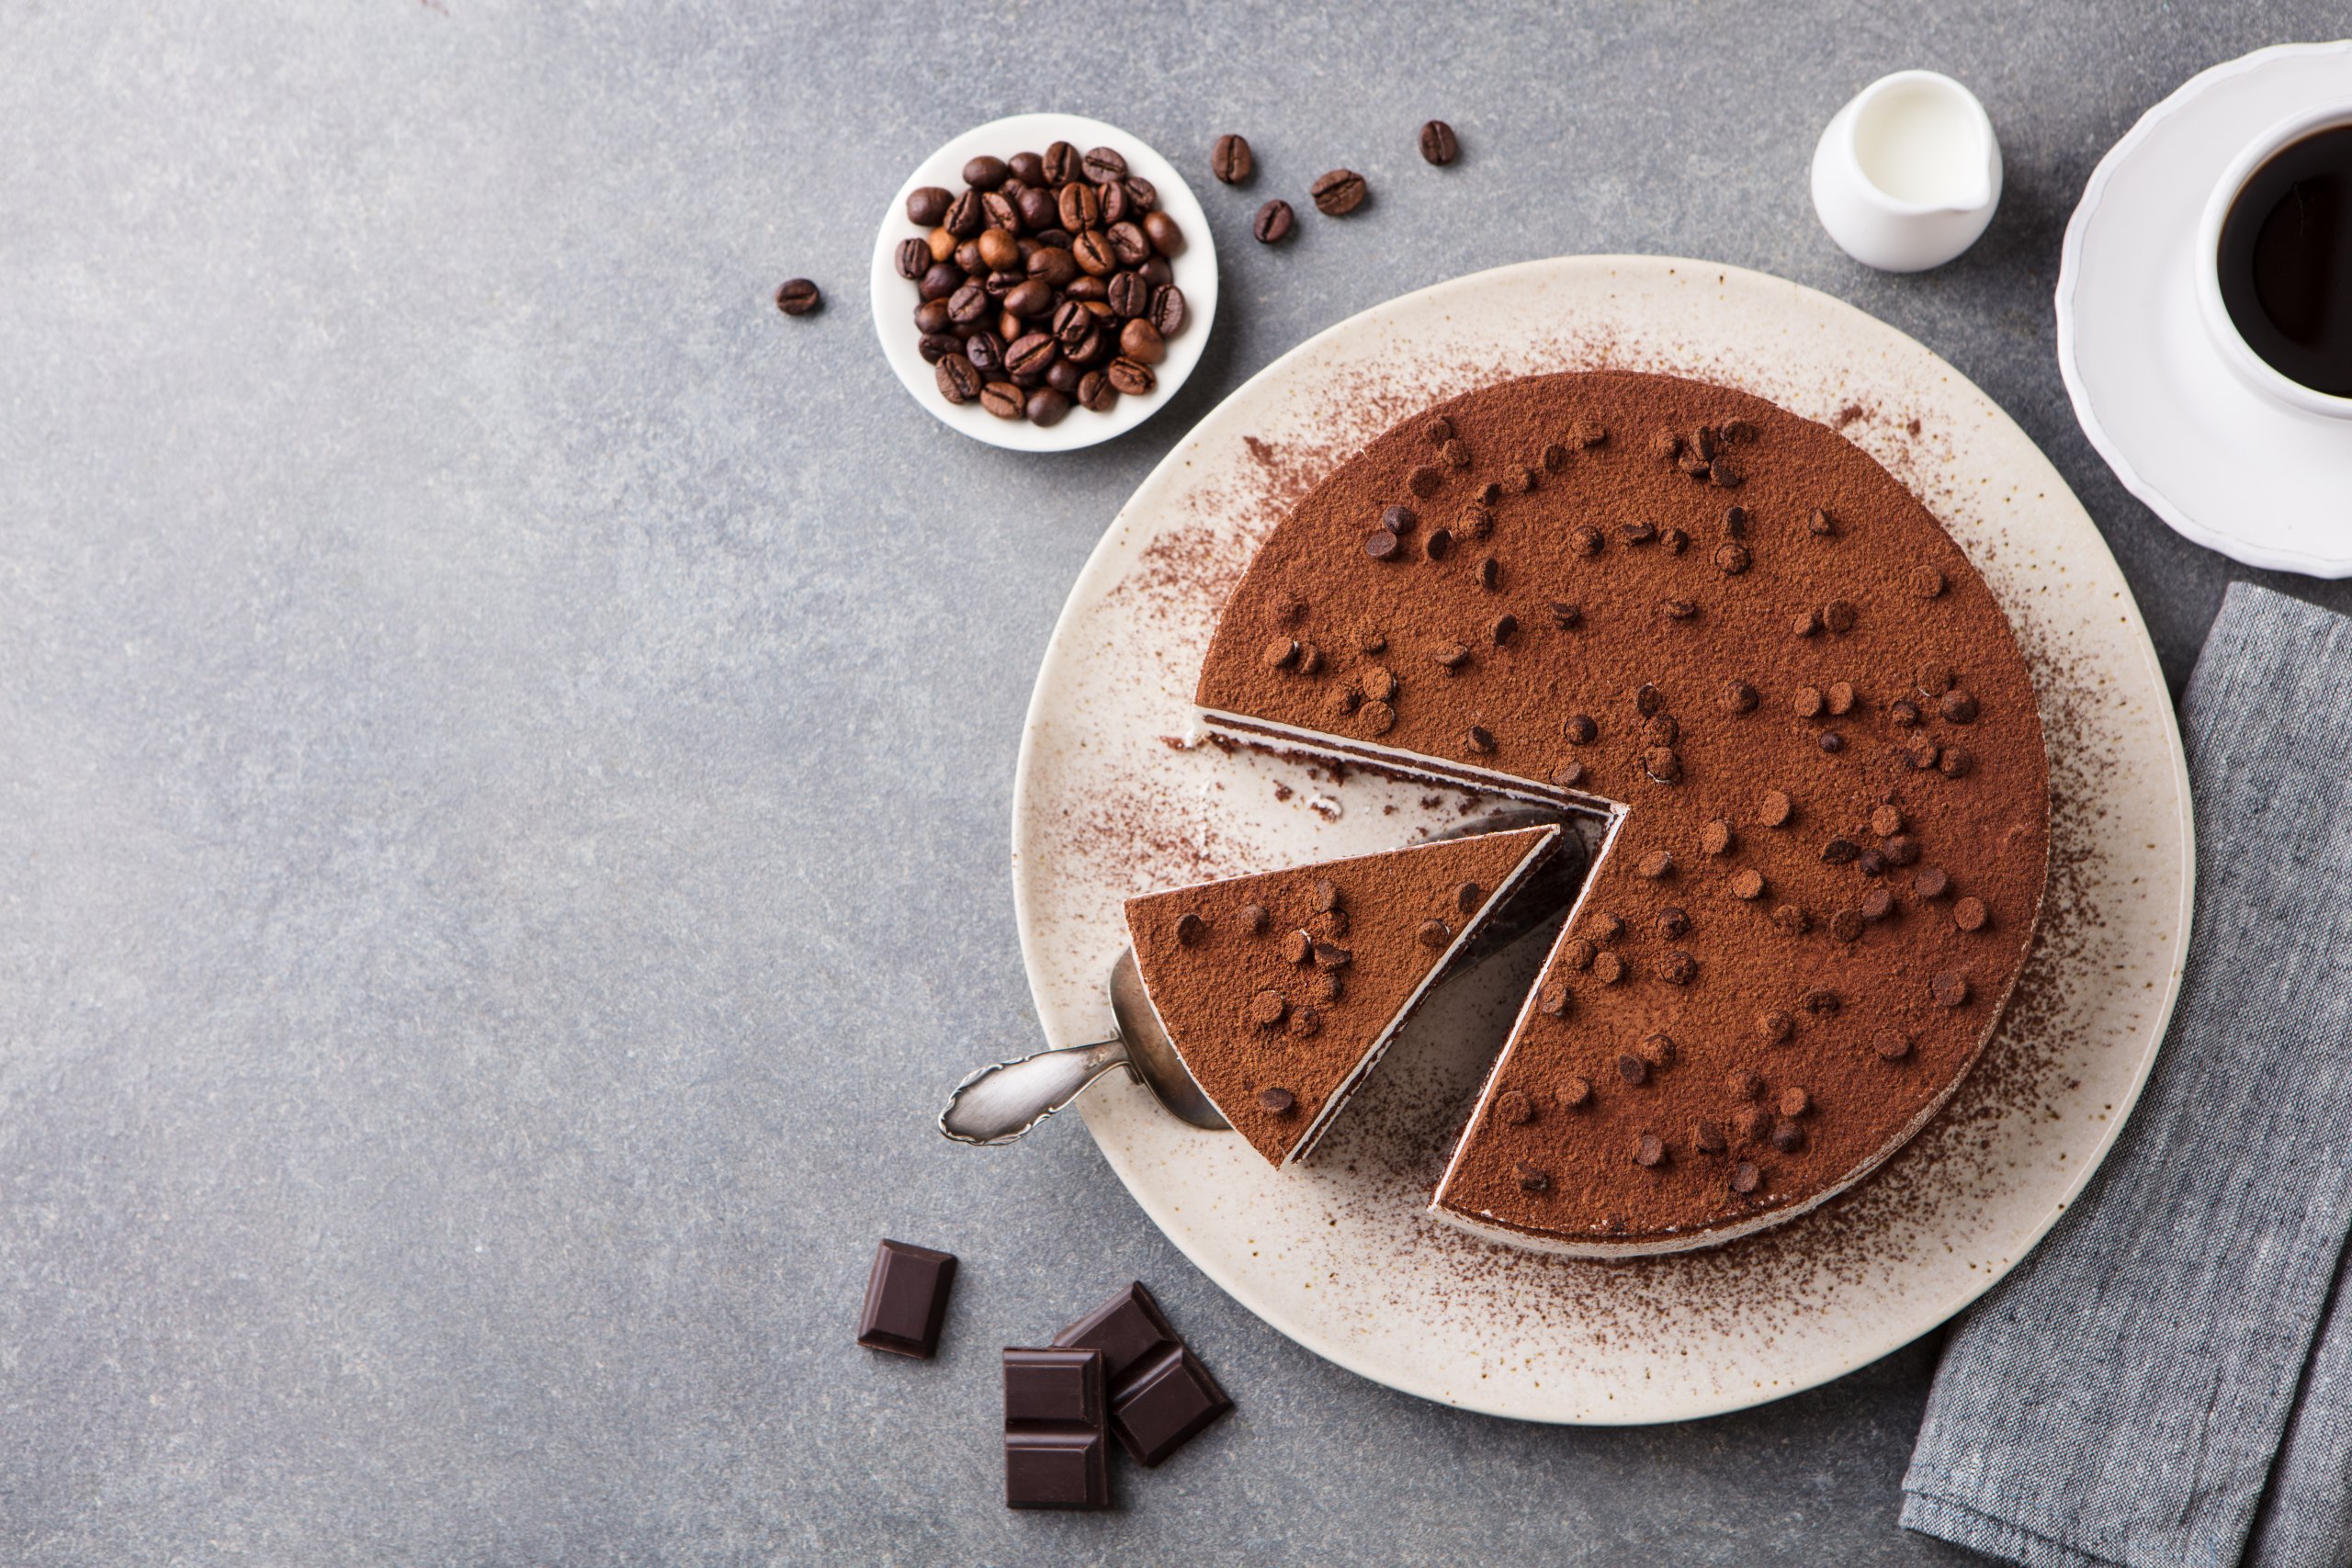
(1004, 1100)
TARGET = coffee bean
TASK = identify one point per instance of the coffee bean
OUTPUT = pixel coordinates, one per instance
(1662, 765)
(1821, 524)
(1061, 163)
(1158, 272)
(1128, 294)
(1277, 1101)
(1840, 852)
(1129, 245)
(1903, 713)
(931, 316)
(1033, 300)
(1030, 355)
(1094, 254)
(986, 351)
(1437, 144)
(1230, 161)
(967, 256)
(1080, 208)
(1130, 378)
(1608, 968)
(1268, 1008)
(1095, 392)
(1141, 341)
(1568, 617)
(965, 216)
(1003, 212)
(1047, 405)
(1273, 223)
(1332, 956)
(1166, 236)
(1654, 865)
(1004, 400)
(1116, 208)
(1090, 289)
(959, 382)
(1789, 921)
(985, 173)
(1190, 929)
(1103, 164)
(926, 205)
(1052, 265)
(1000, 284)
(936, 347)
(943, 279)
(1338, 193)
(969, 304)
(912, 259)
(1039, 212)
(1167, 309)
(798, 296)
(1072, 324)
(1438, 545)
(1871, 863)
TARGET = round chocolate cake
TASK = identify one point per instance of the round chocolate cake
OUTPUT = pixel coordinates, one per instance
(1730, 634)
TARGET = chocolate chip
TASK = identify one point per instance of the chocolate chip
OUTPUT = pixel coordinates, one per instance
(1958, 706)
(1438, 545)
(1266, 1009)
(1872, 863)
(1775, 809)
(1566, 616)
(1956, 762)
(1586, 435)
(1807, 701)
(1190, 929)
(1679, 609)
(1654, 865)
(1822, 1002)
(1716, 837)
(1745, 1083)
(1502, 629)
(1435, 933)
(1950, 988)
(1900, 849)
(1553, 1001)
(1750, 1122)
(1648, 699)
(1327, 895)
(1637, 533)
(1379, 684)
(1925, 582)
(1382, 545)
(1731, 557)
(1577, 953)
(1890, 1045)
(1839, 616)
(1277, 1101)
(1273, 224)
(1490, 573)
(1478, 742)
(1923, 754)
(1789, 921)
(1840, 852)
(1455, 454)
(1794, 1102)
(1423, 480)
(1477, 521)
(1821, 524)
(1310, 659)
(1399, 519)
(1678, 968)
(1532, 1179)
(1568, 775)
(1298, 947)
(1738, 696)
(1841, 697)
(1553, 457)
(1735, 522)
(1807, 623)
(1747, 883)
(1584, 540)
(1662, 765)
(1877, 904)
(1903, 711)
(1969, 914)
(1338, 192)
(1649, 1151)
(1575, 1091)
(1845, 925)
(1343, 700)
(1830, 740)
(1608, 968)
(1673, 922)
(1776, 1027)
(1450, 655)
(1305, 1023)
(1632, 1068)
(1787, 1137)
(1932, 882)
(1254, 919)
(1605, 927)
(1514, 1108)
(1724, 473)
(1934, 678)
(1379, 718)
(1886, 820)
(1745, 1178)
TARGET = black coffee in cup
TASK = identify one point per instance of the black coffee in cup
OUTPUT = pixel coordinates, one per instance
(2285, 261)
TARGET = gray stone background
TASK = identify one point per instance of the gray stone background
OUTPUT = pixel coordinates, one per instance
(506, 743)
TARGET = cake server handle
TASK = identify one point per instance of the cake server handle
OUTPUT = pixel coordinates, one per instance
(1004, 1100)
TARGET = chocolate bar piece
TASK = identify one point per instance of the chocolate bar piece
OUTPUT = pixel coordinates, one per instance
(906, 1299)
(1162, 1396)
(1055, 1452)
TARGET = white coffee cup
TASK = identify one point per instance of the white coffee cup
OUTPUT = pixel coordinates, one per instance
(2235, 352)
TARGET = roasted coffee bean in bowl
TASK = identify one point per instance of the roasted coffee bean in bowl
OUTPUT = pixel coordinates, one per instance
(1044, 282)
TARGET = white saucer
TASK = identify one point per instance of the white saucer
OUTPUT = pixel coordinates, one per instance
(1339, 1253)
(2223, 465)
(894, 297)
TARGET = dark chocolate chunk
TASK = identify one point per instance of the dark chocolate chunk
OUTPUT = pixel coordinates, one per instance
(1055, 1452)
(1166, 1404)
(906, 1299)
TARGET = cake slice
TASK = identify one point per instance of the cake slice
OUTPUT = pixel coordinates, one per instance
(1281, 990)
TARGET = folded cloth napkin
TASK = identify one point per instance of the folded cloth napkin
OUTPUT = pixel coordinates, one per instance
(2121, 1396)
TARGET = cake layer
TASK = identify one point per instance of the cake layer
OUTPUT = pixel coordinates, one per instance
(1815, 725)
(1281, 990)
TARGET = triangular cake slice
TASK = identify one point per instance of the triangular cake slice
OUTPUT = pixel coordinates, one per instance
(1282, 988)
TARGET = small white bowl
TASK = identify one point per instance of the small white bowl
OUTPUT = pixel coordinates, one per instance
(895, 299)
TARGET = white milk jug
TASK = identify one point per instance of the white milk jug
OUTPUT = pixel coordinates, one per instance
(1907, 175)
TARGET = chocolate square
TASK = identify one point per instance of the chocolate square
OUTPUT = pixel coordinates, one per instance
(1126, 1329)
(906, 1299)
(1165, 1404)
(1055, 1453)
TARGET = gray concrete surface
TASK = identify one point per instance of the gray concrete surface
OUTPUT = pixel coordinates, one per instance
(505, 746)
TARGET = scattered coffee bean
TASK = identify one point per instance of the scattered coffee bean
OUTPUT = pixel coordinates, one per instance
(1504, 628)
(926, 205)
(1338, 193)
(1104, 164)
(1168, 310)
(1003, 399)
(1437, 144)
(798, 296)
(1230, 161)
(1162, 235)
(1141, 342)
(1566, 616)
(1047, 406)
(1273, 223)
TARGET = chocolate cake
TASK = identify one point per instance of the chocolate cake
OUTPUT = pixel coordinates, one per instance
(1280, 991)
(1730, 636)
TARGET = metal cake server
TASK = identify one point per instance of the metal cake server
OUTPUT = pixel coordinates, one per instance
(1004, 1100)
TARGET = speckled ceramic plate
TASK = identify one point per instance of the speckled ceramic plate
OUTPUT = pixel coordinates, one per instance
(1114, 796)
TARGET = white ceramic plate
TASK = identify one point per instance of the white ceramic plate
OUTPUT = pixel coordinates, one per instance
(895, 299)
(1338, 1254)
(2213, 457)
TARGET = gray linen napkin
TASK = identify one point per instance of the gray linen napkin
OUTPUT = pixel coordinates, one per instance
(2120, 1396)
